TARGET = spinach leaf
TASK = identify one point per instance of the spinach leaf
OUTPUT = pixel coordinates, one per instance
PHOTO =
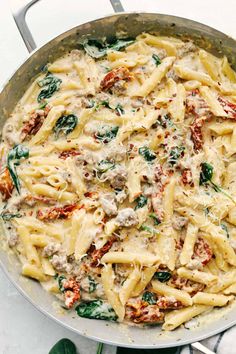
(63, 346)
(149, 297)
(155, 218)
(8, 216)
(60, 283)
(109, 134)
(105, 165)
(119, 109)
(141, 202)
(104, 103)
(65, 124)
(206, 173)
(13, 159)
(175, 154)
(100, 348)
(96, 309)
(146, 153)
(97, 49)
(156, 58)
(162, 276)
(120, 44)
(225, 228)
(50, 85)
(92, 284)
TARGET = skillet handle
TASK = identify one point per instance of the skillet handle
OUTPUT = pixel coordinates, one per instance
(19, 13)
(117, 6)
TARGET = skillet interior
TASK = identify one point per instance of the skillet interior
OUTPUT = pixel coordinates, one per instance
(127, 25)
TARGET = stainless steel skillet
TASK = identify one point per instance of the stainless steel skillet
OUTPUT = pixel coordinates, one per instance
(132, 24)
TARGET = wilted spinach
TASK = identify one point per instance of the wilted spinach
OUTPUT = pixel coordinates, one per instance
(225, 228)
(105, 165)
(146, 153)
(65, 124)
(96, 309)
(107, 135)
(60, 280)
(141, 202)
(92, 284)
(119, 109)
(156, 58)
(149, 297)
(8, 216)
(13, 159)
(175, 154)
(155, 219)
(63, 346)
(162, 276)
(206, 175)
(98, 49)
(50, 85)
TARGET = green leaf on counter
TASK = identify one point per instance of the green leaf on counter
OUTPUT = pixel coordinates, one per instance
(63, 346)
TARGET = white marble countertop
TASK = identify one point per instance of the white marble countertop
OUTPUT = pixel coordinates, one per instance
(24, 330)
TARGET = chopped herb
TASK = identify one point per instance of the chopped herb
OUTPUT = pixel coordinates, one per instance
(105, 165)
(119, 109)
(98, 49)
(92, 284)
(65, 124)
(60, 280)
(225, 228)
(8, 216)
(206, 175)
(50, 85)
(162, 276)
(56, 276)
(156, 58)
(146, 153)
(175, 153)
(63, 346)
(109, 134)
(155, 218)
(149, 297)
(13, 160)
(96, 309)
(141, 202)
